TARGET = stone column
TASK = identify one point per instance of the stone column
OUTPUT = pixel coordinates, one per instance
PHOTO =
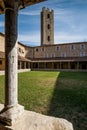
(20, 64)
(29, 65)
(11, 15)
(77, 65)
(60, 65)
(38, 66)
(11, 109)
(25, 65)
(68, 65)
(44, 65)
(52, 66)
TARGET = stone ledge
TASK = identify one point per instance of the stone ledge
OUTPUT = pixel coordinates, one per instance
(34, 121)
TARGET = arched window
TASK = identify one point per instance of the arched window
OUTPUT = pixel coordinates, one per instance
(48, 15)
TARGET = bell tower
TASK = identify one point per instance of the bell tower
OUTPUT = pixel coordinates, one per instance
(47, 26)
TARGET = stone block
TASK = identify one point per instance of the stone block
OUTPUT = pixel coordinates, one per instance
(9, 116)
(33, 121)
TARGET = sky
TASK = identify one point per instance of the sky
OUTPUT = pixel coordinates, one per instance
(70, 22)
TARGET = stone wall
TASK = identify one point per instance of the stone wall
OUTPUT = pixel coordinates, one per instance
(47, 26)
(21, 50)
(2, 43)
(61, 50)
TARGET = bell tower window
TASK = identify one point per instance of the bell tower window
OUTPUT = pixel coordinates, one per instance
(48, 38)
(48, 16)
(48, 26)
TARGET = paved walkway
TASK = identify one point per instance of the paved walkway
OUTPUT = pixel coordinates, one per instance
(19, 71)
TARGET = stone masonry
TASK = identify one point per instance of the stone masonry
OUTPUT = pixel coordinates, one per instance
(47, 26)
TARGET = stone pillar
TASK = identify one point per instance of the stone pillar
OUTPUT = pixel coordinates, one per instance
(69, 65)
(77, 65)
(11, 15)
(44, 65)
(25, 65)
(20, 64)
(52, 66)
(11, 109)
(29, 65)
(38, 66)
(60, 65)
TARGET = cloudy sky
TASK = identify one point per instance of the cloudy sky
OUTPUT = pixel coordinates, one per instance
(70, 22)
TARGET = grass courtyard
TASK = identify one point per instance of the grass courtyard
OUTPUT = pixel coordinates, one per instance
(59, 94)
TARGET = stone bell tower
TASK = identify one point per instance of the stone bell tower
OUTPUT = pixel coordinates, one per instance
(47, 26)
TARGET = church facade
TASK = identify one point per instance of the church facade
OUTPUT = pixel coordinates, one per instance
(48, 56)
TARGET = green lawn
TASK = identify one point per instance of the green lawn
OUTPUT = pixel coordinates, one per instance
(60, 94)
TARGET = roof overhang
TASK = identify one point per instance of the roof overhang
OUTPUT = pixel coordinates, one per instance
(23, 3)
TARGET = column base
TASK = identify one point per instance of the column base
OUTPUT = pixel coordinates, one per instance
(35, 121)
(11, 115)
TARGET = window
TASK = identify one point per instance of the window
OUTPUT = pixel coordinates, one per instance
(82, 46)
(48, 15)
(58, 48)
(82, 54)
(63, 55)
(22, 51)
(48, 26)
(0, 61)
(42, 49)
(46, 55)
(72, 47)
(53, 55)
(48, 38)
(19, 49)
(36, 49)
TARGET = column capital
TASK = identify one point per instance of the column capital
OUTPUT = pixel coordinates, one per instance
(13, 4)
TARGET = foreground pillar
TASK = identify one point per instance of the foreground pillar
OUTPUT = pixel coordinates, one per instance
(11, 56)
(11, 109)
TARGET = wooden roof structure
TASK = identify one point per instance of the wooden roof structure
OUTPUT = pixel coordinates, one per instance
(22, 4)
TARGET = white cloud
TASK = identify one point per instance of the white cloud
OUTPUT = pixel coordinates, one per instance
(34, 12)
(69, 38)
(71, 20)
(33, 38)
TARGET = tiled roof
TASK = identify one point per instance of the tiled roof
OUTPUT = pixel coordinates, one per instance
(23, 59)
(2, 55)
(61, 59)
